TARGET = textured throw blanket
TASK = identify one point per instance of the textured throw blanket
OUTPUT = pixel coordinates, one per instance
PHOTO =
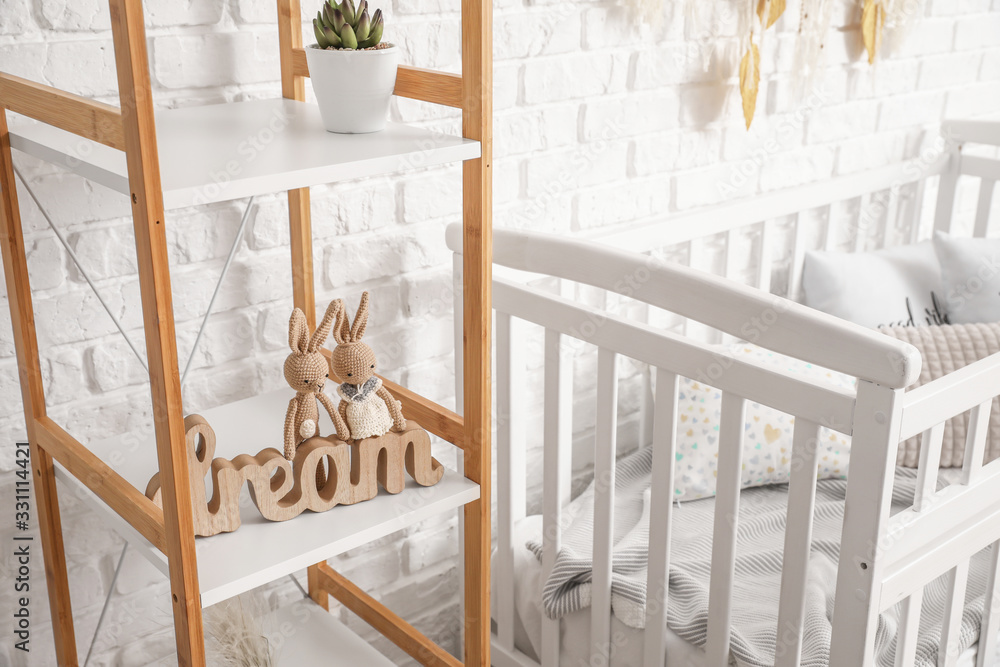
(760, 541)
(945, 349)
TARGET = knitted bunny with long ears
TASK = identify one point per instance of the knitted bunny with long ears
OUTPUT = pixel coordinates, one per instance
(306, 371)
(367, 407)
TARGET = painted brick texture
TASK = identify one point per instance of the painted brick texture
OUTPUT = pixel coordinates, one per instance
(598, 122)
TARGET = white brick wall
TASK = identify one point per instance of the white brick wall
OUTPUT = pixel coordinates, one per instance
(598, 122)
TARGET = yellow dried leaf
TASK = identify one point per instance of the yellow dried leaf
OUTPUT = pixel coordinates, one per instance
(750, 82)
(777, 9)
(872, 21)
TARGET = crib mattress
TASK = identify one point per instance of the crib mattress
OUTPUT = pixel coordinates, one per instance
(575, 626)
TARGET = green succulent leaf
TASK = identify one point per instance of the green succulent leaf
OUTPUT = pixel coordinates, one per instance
(332, 37)
(337, 20)
(346, 25)
(347, 9)
(375, 36)
(320, 37)
(328, 9)
(347, 36)
(364, 27)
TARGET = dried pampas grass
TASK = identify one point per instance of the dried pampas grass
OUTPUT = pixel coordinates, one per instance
(237, 633)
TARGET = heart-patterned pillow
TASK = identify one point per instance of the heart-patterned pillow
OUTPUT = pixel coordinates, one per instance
(767, 435)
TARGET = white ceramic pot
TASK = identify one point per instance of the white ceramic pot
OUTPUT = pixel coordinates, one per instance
(353, 88)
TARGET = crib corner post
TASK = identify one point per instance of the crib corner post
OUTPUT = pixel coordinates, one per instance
(877, 416)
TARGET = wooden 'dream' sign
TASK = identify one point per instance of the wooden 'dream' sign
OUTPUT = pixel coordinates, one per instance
(283, 490)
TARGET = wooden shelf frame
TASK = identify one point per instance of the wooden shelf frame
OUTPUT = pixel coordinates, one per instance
(131, 128)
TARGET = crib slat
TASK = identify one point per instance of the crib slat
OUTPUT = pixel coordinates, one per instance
(909, 626)
(646, 408)
(510, 466)
(983, 207)
(991, 612)
(861, 229)
(798, 541)
(727, 505)
(831, 230)
(604, 498)
(798, 259)
(945, 205)
(729, 271)
(764, 261)
(660, 517)
(891, 215)
(917, 214)
(928, 465)
(950, 631)
(732, 256)
(692, 258)
(558, 411)
(975, 441)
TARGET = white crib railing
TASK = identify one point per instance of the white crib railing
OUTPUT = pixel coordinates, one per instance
(939, 534)
(671, 355)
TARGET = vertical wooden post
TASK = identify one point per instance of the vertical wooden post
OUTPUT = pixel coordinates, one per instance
(299, 218)
(299, 215)
(877, 417)
(477, 253)
(22, 317)
(143, 163)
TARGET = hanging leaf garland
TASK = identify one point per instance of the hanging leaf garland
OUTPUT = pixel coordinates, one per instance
(777, 9)
(750, 81)
(872, 23)
(750, 64)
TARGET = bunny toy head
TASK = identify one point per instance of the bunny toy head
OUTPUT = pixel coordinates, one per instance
(306, 369)
(353, 361)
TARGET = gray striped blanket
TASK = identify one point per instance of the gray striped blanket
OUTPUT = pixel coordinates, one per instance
(760, 540)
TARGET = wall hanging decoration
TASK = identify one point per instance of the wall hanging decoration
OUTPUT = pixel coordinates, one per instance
(887, 23)
(373, 445)
(353, 72)
(764, 14)
(815, 17)
(872, 23)
(883, 23)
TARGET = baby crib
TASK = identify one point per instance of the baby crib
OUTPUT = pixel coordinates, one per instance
(884, 560)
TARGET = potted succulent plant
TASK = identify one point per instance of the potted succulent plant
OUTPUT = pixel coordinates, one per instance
(353, 71)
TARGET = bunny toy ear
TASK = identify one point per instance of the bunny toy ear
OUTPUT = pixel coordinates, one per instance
(298, 331)
(360, 319)
(323, 330)
(341, 330)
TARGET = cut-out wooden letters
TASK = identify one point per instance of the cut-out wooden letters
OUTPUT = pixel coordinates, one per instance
(282, 490)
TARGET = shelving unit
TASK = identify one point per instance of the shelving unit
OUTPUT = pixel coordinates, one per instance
(183, 157)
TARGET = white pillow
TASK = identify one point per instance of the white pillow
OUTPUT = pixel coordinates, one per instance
(767, 438)
(970, 271)
(898, 286)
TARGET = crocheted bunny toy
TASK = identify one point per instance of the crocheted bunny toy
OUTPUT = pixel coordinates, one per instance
(365, 405)
(306, 371)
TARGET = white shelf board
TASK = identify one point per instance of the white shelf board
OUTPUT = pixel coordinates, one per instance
(261, 551)
(220, 152)
(309, 636)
